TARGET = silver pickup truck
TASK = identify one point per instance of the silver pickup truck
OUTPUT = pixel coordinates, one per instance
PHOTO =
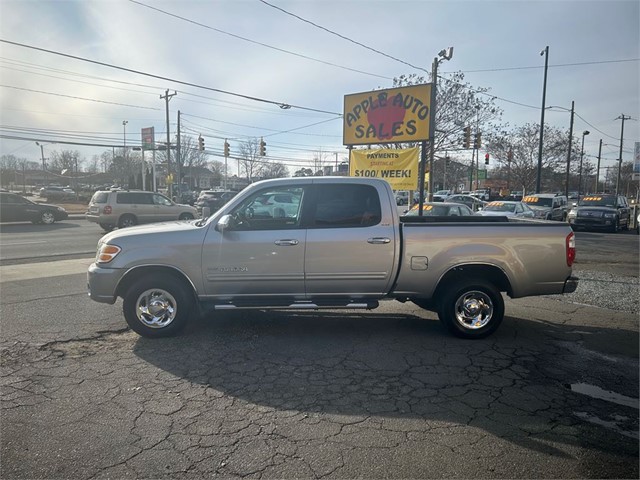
(328, 243)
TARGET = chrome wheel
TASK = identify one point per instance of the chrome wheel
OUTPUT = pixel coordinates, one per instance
(156, 308)
(47, 218)
(127, 221)
(473, 310)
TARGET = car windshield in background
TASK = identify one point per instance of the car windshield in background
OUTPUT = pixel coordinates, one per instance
(538, 201)
(500, 207)
(597, 201)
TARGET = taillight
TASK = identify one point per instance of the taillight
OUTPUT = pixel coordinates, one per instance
(107, 210)
(571, 248)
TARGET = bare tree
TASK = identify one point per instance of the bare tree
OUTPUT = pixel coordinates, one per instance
(250, 161)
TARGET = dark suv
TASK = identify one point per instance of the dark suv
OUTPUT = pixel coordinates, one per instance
(548, 206)
(601, 211)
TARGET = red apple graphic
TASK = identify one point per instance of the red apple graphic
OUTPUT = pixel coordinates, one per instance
(384, 118)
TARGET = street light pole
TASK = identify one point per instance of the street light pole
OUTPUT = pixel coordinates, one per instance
(544, 52)
(622, 117)
(598, 168)
(584, 134)
(124, 147)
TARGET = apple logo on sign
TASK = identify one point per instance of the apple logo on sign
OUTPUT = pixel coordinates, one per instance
(386, 118)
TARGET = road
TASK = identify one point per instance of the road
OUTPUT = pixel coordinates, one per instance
(387, 393)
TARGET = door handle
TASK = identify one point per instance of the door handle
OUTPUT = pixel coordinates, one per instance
(286, 243)
(378, 240)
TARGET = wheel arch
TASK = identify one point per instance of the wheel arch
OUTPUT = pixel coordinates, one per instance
(490, 273)
(142, 271)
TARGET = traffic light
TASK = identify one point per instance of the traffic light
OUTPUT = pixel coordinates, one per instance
(466, 137)
(201, 143)
(263, 147)
(226, 148)
(477, 141)
(486, 159)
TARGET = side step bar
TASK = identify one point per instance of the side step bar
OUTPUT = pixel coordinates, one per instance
(300, 306)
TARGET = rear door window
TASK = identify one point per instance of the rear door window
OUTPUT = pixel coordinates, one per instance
(346, 205)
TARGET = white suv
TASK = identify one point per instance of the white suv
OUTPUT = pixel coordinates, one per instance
(125, 208)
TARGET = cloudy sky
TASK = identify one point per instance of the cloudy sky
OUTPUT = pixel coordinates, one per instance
(296, 53)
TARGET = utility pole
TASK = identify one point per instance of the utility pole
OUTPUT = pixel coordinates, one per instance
(622, 117)
(566, 187)
(595, 190)
(179, 159)
(544, 52)
(166, 98)
(444, 54)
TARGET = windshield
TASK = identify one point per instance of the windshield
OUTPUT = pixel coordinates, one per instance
(538, 201)
(500, 207)
(598, 201)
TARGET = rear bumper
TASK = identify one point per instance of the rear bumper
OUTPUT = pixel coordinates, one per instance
(570, 285)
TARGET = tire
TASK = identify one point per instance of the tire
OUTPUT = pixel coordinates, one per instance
(185, 216)
(127, 221)
(107, 227)
(616, 226)
(158, 306)
(47, 217)
(472, 308)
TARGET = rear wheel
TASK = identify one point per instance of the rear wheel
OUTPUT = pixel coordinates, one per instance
(127, 221)
(157, 306)
(107, 227)
(472, 308)
(185, 216)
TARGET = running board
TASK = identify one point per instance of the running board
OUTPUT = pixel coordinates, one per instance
(300, 306)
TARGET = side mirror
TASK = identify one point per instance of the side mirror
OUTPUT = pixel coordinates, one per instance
(224, 223)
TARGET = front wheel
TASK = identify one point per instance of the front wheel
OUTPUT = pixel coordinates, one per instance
(185, 216)
(471, 309)
(47, 218)
(157, 307)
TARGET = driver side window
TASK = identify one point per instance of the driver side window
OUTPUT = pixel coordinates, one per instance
(270, 209)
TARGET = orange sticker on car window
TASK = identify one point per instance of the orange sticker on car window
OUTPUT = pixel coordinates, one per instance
(496, 204)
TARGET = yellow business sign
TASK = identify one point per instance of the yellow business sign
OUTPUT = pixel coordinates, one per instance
(398, 167)
(393, 115)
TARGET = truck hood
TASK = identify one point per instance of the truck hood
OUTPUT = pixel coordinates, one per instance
(153, 229)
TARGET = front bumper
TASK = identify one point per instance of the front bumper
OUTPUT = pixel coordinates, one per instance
(570, 285)
(102, 283)
(592, 222)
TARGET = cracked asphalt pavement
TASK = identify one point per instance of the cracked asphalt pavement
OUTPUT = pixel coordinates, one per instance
(328, 395)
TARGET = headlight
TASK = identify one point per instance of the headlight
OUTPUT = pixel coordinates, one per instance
(572, 213)
(107, 252)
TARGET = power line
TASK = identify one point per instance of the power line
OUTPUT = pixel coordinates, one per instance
(342, 36)
(256, 42)
(138, 72)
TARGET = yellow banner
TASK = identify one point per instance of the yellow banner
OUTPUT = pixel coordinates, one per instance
(398, 167)
(392, 115)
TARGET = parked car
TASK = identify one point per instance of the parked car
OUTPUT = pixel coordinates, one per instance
(482, 194)
(213, 199)
(507, 209)
(441, 209)
(56, 193)
(441, 195)
(474, 203)
(125, 208)
(16, 208)
(402, 197)
(548, 206)
(274, 205)
(601, 211)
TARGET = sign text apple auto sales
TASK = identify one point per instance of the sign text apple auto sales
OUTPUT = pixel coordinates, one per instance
(387, 116)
